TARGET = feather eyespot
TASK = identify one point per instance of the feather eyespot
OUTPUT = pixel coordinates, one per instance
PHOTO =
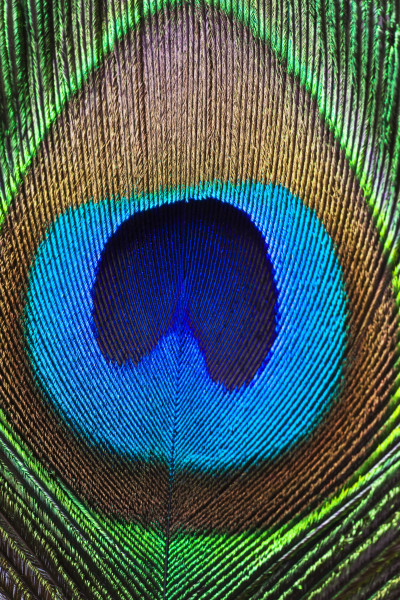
(199, 326)
(173, 318)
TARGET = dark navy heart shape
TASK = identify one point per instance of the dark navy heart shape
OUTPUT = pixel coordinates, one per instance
(199, 268)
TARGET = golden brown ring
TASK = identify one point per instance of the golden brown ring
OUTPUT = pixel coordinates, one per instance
(190, 98)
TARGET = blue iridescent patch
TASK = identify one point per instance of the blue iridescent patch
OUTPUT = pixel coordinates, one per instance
(154, 407)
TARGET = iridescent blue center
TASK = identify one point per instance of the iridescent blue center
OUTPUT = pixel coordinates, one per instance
(198, 268)
(174, 392)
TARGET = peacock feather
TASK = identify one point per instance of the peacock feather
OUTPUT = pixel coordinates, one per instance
(199, 316)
